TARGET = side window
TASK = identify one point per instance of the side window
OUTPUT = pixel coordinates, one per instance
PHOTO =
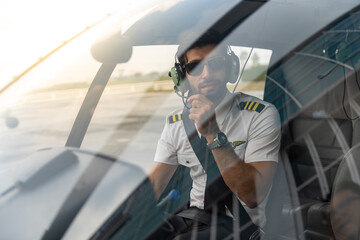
(144, 94)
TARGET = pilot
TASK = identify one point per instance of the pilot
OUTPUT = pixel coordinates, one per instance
(241, 133)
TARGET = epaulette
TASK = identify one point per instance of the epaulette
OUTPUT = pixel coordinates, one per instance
(175, 118)
(252, 106)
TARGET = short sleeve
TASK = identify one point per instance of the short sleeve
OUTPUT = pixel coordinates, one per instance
(264, 136)
(165, 150)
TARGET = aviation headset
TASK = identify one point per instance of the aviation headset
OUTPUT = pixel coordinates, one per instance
(178, 72)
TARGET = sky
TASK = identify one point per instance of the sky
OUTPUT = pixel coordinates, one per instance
(31, 29)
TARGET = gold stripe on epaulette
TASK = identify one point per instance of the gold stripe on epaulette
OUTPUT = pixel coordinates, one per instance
(247, 103)
(255, 106)
(252, 106)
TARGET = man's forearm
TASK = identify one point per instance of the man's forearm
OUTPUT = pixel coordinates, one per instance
(240, 177)
(249, 181)
(159, 176)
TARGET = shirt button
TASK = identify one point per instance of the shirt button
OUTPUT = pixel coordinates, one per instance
(187, 161)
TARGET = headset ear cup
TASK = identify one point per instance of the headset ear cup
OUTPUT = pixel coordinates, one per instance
(233, 64)
(177, 75)
(174, 75)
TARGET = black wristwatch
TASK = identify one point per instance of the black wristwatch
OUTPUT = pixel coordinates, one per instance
(220, 141)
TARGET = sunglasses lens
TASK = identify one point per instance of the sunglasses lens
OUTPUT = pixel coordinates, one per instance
(216, 63)
(194, 68)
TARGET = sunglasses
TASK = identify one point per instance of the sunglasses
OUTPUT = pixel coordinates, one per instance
(195, 68)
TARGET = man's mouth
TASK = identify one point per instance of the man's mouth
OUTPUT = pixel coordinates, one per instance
(208, 86)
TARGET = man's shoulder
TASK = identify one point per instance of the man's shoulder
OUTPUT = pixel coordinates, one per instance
(251, 103)
(174, 116)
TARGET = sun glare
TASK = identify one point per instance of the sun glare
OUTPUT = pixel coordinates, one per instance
(32, 29)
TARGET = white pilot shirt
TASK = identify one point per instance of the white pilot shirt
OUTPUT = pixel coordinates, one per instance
(252, 125)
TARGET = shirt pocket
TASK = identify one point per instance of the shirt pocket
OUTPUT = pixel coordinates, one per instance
(188, 159)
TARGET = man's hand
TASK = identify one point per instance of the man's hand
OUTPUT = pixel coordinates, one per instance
(202, 113)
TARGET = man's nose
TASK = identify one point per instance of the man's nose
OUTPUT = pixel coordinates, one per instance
(206, 71)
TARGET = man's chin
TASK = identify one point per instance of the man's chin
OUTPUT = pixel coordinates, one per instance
(211, 95)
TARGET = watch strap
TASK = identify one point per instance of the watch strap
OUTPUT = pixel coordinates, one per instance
(218, 141)
(214, 144)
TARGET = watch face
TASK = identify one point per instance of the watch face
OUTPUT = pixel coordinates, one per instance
(222, 138)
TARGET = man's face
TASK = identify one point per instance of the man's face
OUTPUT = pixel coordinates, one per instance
(207, 76)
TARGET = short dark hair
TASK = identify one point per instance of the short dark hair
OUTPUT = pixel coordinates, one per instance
(210, 37)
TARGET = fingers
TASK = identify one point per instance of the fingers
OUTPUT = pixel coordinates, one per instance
(196, 116)
(200, 102)
(202, 109)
